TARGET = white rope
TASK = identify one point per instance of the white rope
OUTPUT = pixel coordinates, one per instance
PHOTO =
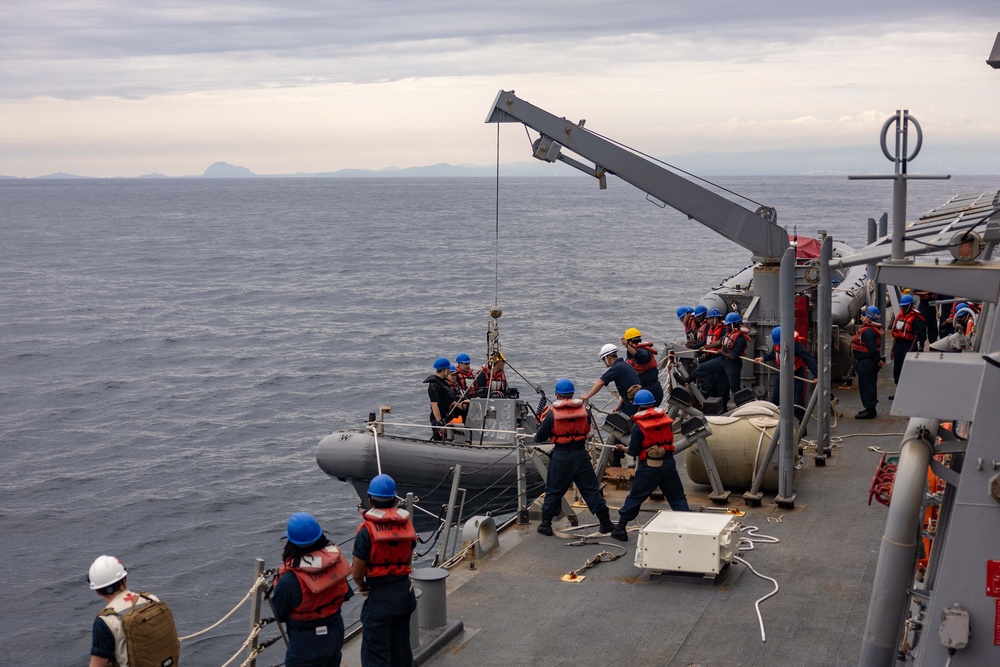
(253, 635)
(378, 456)
(257, 584)
(760, 619)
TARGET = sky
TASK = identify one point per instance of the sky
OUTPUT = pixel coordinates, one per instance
(110, 88)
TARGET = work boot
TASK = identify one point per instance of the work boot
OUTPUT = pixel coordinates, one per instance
(620, 531)
(606, 525)
(865, 414)
(545, 527)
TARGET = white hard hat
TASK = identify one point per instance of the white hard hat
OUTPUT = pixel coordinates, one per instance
(105, 571)
(609, 349)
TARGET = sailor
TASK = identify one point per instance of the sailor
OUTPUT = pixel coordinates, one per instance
(309, 589)
(652, 444)
(624, 376)
(453, 382)
(641, 356)
(466, 376)
(156, 640)
(965, 321)
(698, 323)
(906, 331)
(490, 380)
(867, 349)
(714, 331)
(444, 403)
(803, 360)
(383, 550)
(735, 344)
(567, 426)
(928, 309)
(686, 315)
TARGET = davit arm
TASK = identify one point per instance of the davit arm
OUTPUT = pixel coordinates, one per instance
(753, 230)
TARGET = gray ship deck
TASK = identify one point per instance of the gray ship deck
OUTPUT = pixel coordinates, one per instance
(516, 611)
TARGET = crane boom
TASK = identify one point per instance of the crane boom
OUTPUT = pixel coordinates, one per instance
(755, 231)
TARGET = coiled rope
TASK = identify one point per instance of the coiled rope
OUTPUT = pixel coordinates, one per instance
(261, 580)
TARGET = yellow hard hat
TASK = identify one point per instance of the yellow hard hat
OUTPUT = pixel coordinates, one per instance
(631, 333)
(498, 357)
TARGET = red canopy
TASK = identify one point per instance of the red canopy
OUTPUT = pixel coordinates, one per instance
(807, 248)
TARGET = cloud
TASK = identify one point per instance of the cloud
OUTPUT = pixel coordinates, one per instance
(123, 48)
(110, 87)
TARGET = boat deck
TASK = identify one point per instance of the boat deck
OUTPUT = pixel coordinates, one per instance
(517, 611)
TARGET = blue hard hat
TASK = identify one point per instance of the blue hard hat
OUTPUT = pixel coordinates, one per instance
(872, 312)
(441, 363)
(733, 318)
(643, 398)
(303, 529)
(775, 335)
(381, 487)
(959, 306)
(463, 358)
(565, 386)
(700, 310)
(906, 300)
(452, 369)
(684, 310)
(713, 312)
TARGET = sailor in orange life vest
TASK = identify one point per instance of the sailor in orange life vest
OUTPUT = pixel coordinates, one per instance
(309, 589)
(490, 380)
(642, 357)
(652, 444)
(907, 330)
(383, 550)
(466, 378)
(866, 346)
(735, 344)
(803, 360)
(107, 579)
(567, 425)
(686, 315)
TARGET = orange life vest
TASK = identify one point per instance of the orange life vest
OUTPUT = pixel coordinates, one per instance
(466, 378)
(322, 577)
(649, 365)
(902, 328)
(656, 428)
(569, 421)
(494, 381)
(392, 536)
(730, 339)
(691, 329)
(715, 333)
(859, 346)
(799, 363)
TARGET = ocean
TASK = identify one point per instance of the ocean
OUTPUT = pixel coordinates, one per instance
(173, 351)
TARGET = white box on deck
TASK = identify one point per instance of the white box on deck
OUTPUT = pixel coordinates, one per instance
(687, 542)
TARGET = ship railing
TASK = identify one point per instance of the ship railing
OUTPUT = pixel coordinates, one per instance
(251, 645)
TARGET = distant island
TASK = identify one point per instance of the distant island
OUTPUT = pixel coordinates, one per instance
(840, 161)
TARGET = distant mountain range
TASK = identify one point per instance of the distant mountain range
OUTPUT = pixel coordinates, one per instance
(958, 160)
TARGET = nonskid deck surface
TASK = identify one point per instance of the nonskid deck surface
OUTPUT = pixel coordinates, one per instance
(516, 611)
